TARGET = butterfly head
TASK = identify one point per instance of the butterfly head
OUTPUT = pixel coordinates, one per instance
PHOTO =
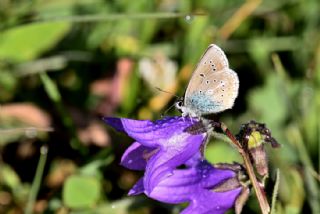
(185, 110)
(179, 104)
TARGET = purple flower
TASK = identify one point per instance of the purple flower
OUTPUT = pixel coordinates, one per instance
(195, 185)
(160, 148)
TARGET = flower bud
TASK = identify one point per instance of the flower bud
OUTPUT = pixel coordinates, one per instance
(253, 136)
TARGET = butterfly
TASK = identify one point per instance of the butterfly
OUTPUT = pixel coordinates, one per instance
(213, 86)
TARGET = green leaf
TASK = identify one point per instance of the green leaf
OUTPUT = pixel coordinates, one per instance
(196, 39)
(218, 152)
(50, 87)
(310, 119)
(81, 191)
(26, 42)
(131, 93)
(92, 168)
(9, 177)
(268, 102)
(292, 191)
(128, 205)
(8, 83)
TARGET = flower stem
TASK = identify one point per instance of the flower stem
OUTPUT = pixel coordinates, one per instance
(261, 196)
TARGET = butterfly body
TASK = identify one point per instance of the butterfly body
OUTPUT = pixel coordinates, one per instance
(213, 86)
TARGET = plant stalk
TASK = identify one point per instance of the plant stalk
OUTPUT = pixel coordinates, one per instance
(261, 196)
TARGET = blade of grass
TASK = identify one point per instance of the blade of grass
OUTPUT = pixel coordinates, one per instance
(51, 88)
(297, 138)
(37, 180)
(275, 192)
(312, 188)
(113, 17)
(54, 94)
(238, 17)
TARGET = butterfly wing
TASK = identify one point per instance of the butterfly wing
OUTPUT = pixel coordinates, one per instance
(213, 87)
(212, 60)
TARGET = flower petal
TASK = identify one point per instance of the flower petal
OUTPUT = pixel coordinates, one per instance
(212, 202)
(148, 133)
(177, 188)
(138, 188)
(161, 165)
(194, 160)
(212, 176)
(133, 157)
(183, 183)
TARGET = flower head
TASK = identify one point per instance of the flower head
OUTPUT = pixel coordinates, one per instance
(160, 146)
(197, 185)
(164, 145)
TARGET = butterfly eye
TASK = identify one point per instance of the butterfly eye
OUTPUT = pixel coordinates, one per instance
(179, 105)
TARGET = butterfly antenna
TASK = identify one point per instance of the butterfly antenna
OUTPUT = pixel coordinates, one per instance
(168, 109)
(159, 89)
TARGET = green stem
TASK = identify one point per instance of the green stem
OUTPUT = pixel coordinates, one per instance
(311, 182)
(37, 180)
(112, 17)
(275, 192)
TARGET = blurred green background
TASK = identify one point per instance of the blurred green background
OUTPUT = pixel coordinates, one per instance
(65, 63)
